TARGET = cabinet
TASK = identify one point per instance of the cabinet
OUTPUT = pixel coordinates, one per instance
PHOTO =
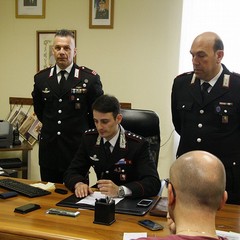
(25, 149)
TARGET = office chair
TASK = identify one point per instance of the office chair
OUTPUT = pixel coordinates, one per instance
(146, 124)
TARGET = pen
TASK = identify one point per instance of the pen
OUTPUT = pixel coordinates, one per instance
(108, 200)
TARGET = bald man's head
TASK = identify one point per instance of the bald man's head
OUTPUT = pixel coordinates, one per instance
(210, 38)
(199, 179)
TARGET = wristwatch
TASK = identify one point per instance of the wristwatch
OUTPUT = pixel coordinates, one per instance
(121, 192)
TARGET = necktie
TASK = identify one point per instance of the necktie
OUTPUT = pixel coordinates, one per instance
(205, 86)
(108, 152)
(62, 80)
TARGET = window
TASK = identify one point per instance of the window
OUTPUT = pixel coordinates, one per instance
(220, 16)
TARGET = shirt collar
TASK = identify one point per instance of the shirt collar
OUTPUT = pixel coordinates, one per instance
(68, 69)
(213, 80)
(114, 139)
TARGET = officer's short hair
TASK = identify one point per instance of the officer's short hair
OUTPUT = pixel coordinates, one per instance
(218, 45)
(64, 33)
(106, 104)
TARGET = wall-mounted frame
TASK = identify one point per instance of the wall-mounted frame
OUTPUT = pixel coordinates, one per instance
(101, 13)
(44, 48)
(30, 8)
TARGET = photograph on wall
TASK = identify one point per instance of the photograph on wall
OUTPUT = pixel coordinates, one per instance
(101, 13)
(30, 8)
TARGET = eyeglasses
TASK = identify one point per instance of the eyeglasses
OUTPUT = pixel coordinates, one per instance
(167, 181)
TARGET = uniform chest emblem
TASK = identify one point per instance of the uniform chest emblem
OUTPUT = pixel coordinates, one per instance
(94, 158)
(46, 90)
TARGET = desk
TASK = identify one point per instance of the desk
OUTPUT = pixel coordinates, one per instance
(39, 225)
(228, 218)
(25, 147)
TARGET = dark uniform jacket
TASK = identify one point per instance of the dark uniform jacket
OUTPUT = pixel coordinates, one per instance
(65, 114)
(102, 14)
(129, 165)
(212, 125)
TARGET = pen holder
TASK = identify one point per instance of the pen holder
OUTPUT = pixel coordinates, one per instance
(104, 211)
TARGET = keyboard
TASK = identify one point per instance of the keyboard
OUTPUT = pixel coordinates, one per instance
(22, 188)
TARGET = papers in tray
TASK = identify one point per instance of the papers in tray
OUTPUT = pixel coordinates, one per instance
(91, 199)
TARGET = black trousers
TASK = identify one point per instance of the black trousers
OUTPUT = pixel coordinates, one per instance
(233, 184)
(51, 175)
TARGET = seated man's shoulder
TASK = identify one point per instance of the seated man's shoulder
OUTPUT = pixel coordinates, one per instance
(91, 132)
(134, 137)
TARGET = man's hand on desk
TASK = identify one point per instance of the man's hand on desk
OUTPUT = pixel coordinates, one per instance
(82, 190)
(107, 187)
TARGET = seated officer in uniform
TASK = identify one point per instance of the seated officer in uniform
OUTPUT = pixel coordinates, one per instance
(124, 168)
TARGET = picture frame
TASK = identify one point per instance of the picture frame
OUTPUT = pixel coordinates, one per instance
(44, 48)
(101, 14)
(30, 8)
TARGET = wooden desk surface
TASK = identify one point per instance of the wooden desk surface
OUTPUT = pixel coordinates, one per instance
(228, 219)
(39, 225)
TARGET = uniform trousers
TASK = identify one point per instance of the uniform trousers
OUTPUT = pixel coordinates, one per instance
(56, 175)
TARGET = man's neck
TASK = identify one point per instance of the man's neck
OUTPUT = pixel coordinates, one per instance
(68, 68)
(113, 139)
(196, 224)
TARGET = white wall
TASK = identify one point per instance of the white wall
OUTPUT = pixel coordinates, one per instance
(137, 60)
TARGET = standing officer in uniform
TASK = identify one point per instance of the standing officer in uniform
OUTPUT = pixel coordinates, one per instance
(123, 168)
(102, 12)
(208, 118)
(62, 98)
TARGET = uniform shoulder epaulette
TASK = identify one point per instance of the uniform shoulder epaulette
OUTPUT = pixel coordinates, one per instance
(88, 70)
(91, 131)
(236, 74)
(185, 74)
(43, 70)
(133, 136)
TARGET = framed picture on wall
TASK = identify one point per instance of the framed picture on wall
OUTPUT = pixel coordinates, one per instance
(101, 13)
(45, 57)
(30, 8)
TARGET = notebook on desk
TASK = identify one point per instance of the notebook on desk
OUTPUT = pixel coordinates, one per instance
(125, 206)
(160, 208)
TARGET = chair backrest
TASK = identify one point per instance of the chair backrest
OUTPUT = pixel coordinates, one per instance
(144, 123)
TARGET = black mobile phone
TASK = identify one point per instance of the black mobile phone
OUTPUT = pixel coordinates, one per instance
(150, 224)
(61, 191)
(144, 203)
(27, 208)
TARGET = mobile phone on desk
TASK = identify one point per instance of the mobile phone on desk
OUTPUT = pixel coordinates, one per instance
(150, 224)
(144, 203)
(27, 208)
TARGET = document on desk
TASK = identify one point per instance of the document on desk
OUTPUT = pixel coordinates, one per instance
(47, 186)
(131, 236)
(229, 235)
(91, 199)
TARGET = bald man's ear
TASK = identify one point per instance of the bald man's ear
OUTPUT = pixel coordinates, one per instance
(224, 199)
(171, 195)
